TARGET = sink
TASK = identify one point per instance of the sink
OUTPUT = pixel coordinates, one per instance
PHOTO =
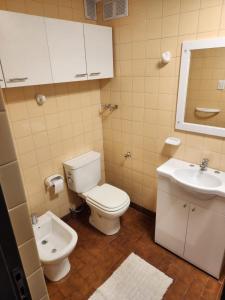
(197, 178)
(190, 176)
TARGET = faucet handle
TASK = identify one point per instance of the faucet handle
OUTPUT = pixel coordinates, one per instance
(205, 160)
(34, 218)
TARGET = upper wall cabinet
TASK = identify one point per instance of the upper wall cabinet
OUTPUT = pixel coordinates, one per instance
(2, 82)
(99, 54)
(24, 50)
(36, 50)
(66, 48)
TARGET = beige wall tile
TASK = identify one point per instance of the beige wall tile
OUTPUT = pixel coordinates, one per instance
(37, 285)
(29, 256)
(12, 186)
(170, 25)
(209, 18)
(188, 22)
(21, 223)
(7, 149)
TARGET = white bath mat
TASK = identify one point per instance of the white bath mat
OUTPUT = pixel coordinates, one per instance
(135, 279)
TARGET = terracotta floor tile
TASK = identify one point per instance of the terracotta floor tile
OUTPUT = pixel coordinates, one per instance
(97, 256)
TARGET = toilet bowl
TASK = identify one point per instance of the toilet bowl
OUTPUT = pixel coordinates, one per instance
(55, 241)
(107, 203)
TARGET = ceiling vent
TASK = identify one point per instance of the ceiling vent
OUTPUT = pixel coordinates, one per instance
(90, 9)
(114, 9)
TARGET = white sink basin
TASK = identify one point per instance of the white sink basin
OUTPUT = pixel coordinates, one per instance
(190, 176)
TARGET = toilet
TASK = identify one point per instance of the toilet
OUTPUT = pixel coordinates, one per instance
(107, 203)
(55, 241)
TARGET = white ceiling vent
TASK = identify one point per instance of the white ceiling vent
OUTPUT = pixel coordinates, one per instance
(114, 9)
(90, 9)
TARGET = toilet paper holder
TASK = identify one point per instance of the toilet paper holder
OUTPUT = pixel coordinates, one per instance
(49, 181)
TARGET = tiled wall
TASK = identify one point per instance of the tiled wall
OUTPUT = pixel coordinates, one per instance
(206, 69)
(68, 124)
(146, 91)
(12, 187)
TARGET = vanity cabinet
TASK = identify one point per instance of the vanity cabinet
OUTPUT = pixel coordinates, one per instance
(2, 81)
(66, 49)
(172, 217)
(24, 50)
(204, 245)
(190, 226)
(99, 55)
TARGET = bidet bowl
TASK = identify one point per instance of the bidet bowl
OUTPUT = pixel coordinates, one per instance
(55, 241)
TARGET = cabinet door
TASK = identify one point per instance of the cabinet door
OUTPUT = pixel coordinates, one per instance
(99, 54)
(171, 222)
(205, 241)
(66, 48)
(24, 50)
(2, 82)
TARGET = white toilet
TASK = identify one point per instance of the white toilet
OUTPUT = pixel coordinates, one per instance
(107, 203)
(55, 241)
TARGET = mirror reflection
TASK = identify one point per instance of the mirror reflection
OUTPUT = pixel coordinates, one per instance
(205, 103)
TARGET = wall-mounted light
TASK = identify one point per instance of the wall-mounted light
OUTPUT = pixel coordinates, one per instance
(166, 57)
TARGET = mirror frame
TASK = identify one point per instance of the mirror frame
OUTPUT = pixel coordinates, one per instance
(187, 46)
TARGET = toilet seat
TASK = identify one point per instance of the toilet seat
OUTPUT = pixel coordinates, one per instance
(107, 198)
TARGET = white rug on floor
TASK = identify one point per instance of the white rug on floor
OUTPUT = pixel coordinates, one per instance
(135, 279)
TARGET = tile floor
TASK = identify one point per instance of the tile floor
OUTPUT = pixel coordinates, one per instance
(96, 256)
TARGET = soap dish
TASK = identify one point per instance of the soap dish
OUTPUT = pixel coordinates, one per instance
(173, 141)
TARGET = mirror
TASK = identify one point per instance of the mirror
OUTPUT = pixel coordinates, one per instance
(201, 95)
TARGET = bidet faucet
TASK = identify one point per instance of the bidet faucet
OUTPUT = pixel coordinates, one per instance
(204, 164)
(34, 219)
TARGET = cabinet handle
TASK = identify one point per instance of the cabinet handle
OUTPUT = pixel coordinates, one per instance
(95, 74)
(1, 79)
(185, 205)
(81, 75)
(12, 80)
(193, 209)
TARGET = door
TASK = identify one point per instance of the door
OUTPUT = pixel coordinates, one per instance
(205, 241)
(171, 222)
(2, 82)
(66, 48)
(12, 277)
(99, 53)
(24, 50)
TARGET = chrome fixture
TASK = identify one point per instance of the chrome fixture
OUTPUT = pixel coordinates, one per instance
(109, 107)
(127, 155)
(12, 80)
(204, 164)
(34, 219)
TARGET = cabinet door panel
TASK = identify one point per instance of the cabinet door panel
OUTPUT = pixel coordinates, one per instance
(24, 50)
(205, 241)
(2, 82)
(66, 48)
(99, 54)
(171, 222)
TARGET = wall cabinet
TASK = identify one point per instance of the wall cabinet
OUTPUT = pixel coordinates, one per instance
(66, 49)
(99, 55)
(24, 50)
(37, 50)
(2, 81)
(190, 227)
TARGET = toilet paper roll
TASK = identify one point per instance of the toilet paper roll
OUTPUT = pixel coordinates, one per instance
(58, 185)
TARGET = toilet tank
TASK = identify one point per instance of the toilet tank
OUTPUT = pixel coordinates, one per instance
(83, 172)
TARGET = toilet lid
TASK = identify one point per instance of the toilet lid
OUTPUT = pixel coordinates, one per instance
(108, 197)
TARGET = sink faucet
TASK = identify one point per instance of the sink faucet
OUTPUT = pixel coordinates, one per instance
(204, 164)
(34, 219)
